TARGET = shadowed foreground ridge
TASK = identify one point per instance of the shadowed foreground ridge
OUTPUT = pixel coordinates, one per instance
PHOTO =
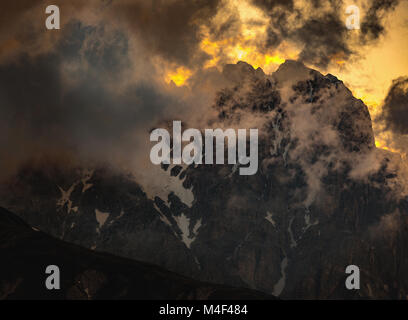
(25, 253)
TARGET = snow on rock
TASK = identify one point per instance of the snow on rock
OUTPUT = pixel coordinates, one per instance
(87, 176)
(196, 227)
(87, 293)
(269, 217)
(66, 199)
(165, 184)
(184, 225)
(113, 220)
(280, 285)
(101, 217)
(293, 242)
(197, 263)
(278, 135)
(309, 223)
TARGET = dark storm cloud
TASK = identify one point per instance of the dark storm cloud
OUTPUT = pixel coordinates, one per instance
(12, 9)
(68, 90)
(321, 47)
(226, 29)
(268, 5)
(90, 89)
(395, 108)
(279, 12)
(169, 28)
(22, 25)
(372, 26)
(40, 112)
(322, 35)
(320, 29)
(12, 34)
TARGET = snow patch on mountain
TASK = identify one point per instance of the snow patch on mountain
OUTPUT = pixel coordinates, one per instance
(113, 220)
(101, 217)
(66, 199)
(293, 243)
(183, 223)
(164, 184)
(280, 285)
(87, 176)
(308, 223)
(269, 217)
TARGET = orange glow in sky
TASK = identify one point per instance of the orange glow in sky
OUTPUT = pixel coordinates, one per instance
(368, 76)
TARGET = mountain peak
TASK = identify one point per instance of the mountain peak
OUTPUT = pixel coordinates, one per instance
(241, 70)
(293, 71)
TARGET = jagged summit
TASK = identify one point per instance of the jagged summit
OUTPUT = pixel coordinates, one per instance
(288, 73)
(293, 71)
(302, 96)
(240, 71)
(290, 69)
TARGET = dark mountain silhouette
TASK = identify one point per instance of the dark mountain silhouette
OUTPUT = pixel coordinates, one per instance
(25, 253)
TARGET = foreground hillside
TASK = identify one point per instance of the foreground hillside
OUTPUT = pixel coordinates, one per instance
(25, 253)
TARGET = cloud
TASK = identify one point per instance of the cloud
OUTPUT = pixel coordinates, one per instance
(395, 108)
(77, 99)
(173, 29)
(22, 25)
(372, 26)
(319, 29)
(168, 28)
(392, 124)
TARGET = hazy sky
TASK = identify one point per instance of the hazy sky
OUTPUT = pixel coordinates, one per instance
(372, 75)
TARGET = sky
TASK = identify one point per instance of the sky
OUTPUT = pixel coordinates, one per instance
(116, 68)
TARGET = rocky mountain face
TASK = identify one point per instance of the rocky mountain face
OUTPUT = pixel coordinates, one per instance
(324, 197)
(88, 275)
